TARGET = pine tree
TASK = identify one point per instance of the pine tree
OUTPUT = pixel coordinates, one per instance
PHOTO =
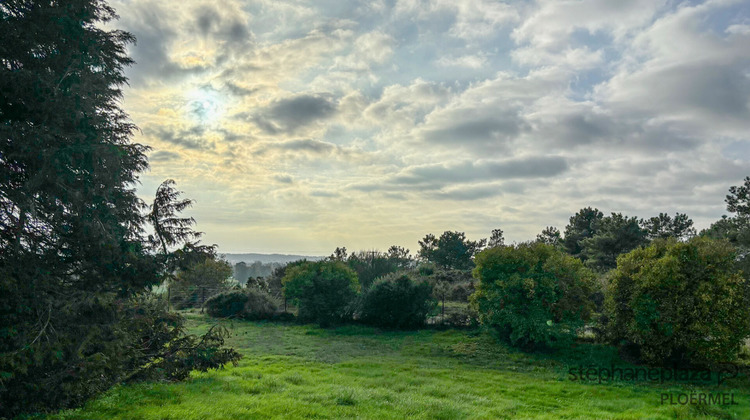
(70, 221)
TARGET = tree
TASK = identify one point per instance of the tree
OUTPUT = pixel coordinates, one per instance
(679, 302)
(582, 225)
(550, 236)
(371, 265)
(663, 226)
(738, 199)
(169, 228)
(194, 285)
(396, 301)
(450, 250)
(496, 239)
(735, 229)
(532, 294)
(323, 290)
(69, 217)
(615, 235)
(73, 260)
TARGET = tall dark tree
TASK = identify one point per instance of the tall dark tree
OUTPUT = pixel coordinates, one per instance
(664, 226)
(170, 228)
(736, 229)
(496, 239)
(615, 235)
(72, 253)
(583, 225)
(550, 236)
(450, 250)
(70, 220)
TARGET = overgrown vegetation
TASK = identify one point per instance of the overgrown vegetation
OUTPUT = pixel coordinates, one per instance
(396, 301)
(323, 291)
(248, 303)
(532, 294)
(74, 262)
(680, 303)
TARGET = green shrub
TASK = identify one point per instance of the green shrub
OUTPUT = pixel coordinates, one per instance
(227, 304)
(251, 304)
(322, 291)
(532, 294)
(396, 301)
(260, 305)
(679, 302)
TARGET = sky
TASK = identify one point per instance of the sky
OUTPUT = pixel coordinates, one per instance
(300, 126)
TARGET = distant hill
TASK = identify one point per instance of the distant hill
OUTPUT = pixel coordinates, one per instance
(268, 258)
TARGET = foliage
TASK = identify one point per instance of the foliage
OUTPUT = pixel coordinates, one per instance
(396, 301)
(615, 235)
(323, 291)
(73, 254)
(199, 282)
(496, 239)
(163, 350)
(450, 250)
(274, 282)
(680, 302)
(371, 265)
(582, 225)
(248, 303)
(532, 294)
(169, 228)
(738, 199)
(70, 219)
(550, 236)
(664, 226)
(736, 229)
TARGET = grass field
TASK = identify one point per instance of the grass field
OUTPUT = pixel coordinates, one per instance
(294, 371)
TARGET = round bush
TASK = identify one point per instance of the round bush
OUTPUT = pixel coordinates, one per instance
(259, 305)
(679, 303)
(532, 294)
(248, 304)
(396, 301)
(227, 304)
(322, 291)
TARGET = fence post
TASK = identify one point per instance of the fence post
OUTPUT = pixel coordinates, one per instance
(203, 297)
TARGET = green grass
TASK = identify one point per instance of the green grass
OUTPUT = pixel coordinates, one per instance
(293, 371)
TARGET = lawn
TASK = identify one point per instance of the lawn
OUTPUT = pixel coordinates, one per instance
(298, 371)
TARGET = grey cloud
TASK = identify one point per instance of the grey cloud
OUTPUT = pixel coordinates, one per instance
(163, 156)
(288, 115)
(191, 138)
(154, 35)
(468, 193)
(324, 194)
(284, 179)
(315, 147)
(484, 131)
(436, 177)
(532, 167)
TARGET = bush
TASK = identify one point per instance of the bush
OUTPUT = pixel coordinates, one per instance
(251, 304)
(460, 292)
(322, 291)
(396, 301)
(532, 294)
(679, 302)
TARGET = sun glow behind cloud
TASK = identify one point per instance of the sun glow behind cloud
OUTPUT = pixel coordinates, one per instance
(299, 127)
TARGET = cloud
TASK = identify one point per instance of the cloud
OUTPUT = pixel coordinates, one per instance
(189, 138)
(163, 156)
(289, 114)
(284, 179)
(439, 176)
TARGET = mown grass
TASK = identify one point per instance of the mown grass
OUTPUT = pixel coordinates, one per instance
(294, 371)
